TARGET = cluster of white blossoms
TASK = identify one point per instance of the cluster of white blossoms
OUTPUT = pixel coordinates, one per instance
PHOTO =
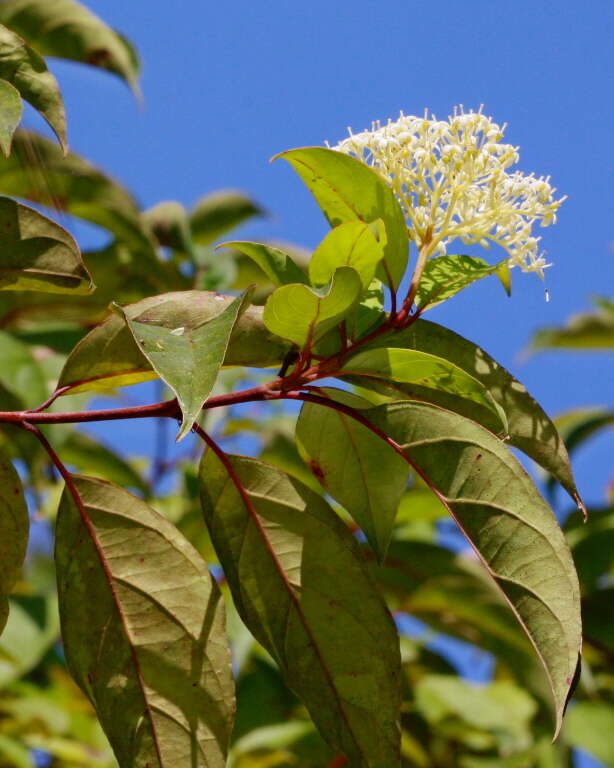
(452, 181)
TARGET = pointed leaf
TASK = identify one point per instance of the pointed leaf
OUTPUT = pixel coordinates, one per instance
(277, 265)
(508, 523)
(24, 68)
(143, 630)
(300, 584)
(359, 471)
(109, 356)
(530, 429)
(68, 30)
(348, 190)
(37, 254)
(14, 526)
(447, 275)
(189, 360)
(38, 171)
(425, 370)
(298, 312)
(219, 212)
(11, 109)
(353, 244)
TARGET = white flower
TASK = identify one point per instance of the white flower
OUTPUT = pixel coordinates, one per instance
(452, 181)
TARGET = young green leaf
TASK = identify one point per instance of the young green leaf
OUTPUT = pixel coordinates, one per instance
(530, 429)
(11, 108)
(348, 190)
(144, 630)
(109, 357)
(24, 68)
(219, 212)
(38, 171)
(300, 313)
(508, 523)
(68, 30)
(353, 244)
(37, 254)
(447, 275)
(277, 265)
(409, 366)
(188, 360)
(300, 584)
(14, 527)
(363, 474)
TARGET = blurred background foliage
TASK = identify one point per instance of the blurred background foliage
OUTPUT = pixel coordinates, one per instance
(474, 695)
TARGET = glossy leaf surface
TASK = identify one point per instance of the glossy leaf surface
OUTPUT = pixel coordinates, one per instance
(11, 109)
(529, 427)
(24, 68)
(447, 275)
(188, 360)
(353, 244)
(300, 584)
(277, 265)
(352, 464)
(348, 190)
(409, 366)
(14, 526)
(509, 525)
(109, 357)
(143, 630)
(37, 254)
(69, 30)
(298, 312)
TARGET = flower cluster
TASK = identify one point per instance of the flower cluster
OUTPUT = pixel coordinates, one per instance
(452, 180)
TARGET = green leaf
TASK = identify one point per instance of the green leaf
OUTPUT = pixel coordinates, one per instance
(300, 313)
(109, 357)
(219, 212)
(348, 190)
(299, 582)
(445, 276)
(168, 222)
(14, 751)
(14, 526)
(588, 330)
(37, 254)
(530, 429)
(91, 457)
(189, 360)
(501, 708)
(353, 244)
(590, 727)
(32, 628)
(509, 525)
(68, 30)
(20, 373)
(11, 109)
(143, 630)
(592, 545)
(359, 471)
(38, 171)
(277, 265)
(25, 68)
(409, 366)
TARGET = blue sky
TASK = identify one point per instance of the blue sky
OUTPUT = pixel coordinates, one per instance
(226, 86)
